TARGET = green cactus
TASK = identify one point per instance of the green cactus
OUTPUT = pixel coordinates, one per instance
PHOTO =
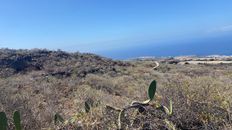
(17, 120)
(136, 104)
(3, 121)
(152, 90)
(151, 93)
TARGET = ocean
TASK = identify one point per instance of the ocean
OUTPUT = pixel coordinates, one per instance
(200, 47)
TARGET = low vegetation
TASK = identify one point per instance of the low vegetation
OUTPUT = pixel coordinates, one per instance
(59, 90)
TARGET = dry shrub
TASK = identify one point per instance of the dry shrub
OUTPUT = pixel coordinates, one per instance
(201, 94)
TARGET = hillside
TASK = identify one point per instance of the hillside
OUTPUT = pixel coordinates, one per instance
(41, 83)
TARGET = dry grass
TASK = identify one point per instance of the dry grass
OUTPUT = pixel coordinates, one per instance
(201, 94)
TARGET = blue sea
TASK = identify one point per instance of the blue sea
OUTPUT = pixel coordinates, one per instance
(220, 45)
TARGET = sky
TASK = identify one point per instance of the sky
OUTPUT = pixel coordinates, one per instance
(107, 25)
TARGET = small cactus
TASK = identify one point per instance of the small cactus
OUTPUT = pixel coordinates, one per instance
(17, 120)
(3, 121)
(141, 105)
(152, 90)
(138, 105)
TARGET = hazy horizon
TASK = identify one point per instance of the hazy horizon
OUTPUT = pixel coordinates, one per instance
(216, 45)
(118, 29)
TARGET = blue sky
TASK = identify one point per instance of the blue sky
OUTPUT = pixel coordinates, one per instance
(104, 25)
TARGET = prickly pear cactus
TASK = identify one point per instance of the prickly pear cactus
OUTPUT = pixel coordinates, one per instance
(17, 120)
(3, 121)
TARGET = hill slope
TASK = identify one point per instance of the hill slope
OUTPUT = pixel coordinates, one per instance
(40, 83)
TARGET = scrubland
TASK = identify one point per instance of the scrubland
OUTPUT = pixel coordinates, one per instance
(42, 83)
